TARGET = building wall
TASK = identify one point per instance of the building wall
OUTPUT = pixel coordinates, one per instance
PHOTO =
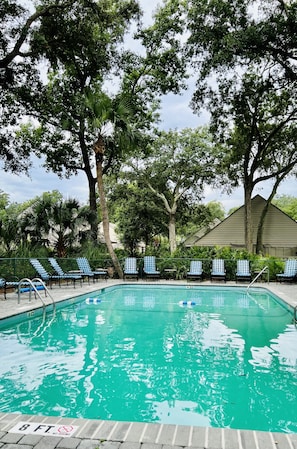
(282, 252)
(279, 236)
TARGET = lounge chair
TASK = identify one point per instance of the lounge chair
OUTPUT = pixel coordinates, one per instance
(4, 285)
(290, 271)
(243, 271)
(130, 269)
(46, 277)
(86, 270)
(149, 267)
(218, 271)
(196, 270)
(25, 285)
(65, 276)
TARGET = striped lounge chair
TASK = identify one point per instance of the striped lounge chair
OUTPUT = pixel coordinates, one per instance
(149, 267)
(218, 272)
(290, 271)
(243, 272)
(196, 270)
(64, 276)
(130, 269)
(86, 270)
(44, 275)
(5, 285)
(20, 285)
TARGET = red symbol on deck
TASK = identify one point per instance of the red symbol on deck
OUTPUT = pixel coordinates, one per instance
(64, 430)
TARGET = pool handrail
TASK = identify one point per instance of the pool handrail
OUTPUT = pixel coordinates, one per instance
(32, 283)
(295, 315)
(258, 275)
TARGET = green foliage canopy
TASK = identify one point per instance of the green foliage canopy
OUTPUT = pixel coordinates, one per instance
(287, 204)
(180, 164)
(243, 54)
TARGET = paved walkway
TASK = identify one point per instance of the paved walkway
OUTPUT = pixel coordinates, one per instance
(28, 432)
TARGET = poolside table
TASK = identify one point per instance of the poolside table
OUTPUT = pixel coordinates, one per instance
(170, 273)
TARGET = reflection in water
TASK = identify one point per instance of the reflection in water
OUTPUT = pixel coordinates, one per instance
(228, 361)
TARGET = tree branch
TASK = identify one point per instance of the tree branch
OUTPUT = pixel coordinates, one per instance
(4, 62)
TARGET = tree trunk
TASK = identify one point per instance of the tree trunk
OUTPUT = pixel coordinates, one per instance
(60, 247)
(92, 193)
(172, 233)
(93, 206)
(259, 245)
(91, 180)
(99, 149)
(172, 213)
(248, 222)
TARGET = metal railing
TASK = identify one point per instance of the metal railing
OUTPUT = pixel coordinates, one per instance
(295, 315)
(33, 284)
(265, 269)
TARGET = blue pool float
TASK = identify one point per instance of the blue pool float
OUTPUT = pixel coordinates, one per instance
(28, 289)
(93, 300)
(187, 303)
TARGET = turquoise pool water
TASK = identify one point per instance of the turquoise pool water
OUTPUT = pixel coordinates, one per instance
(205, 356)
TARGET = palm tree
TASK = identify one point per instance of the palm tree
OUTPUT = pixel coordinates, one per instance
(69, 223)
(112, 118)
(59, 224)
(10, 237)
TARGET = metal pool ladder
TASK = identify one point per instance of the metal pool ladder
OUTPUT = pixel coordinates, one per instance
(295, 315)
(33, 287)
(258, 275)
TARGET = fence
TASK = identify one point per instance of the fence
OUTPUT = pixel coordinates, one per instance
(176, 268)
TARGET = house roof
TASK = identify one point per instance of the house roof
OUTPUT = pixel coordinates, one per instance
(195, 236)
(279, 229)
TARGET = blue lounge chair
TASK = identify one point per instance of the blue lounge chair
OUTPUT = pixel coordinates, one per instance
(290, 271)
(196, 270)
(46, 277)
(4, 285)
(218, 271)
(130, 269)
(86, 270)
(64, 276)
(243, 271)
(22, 285)
(149, 267)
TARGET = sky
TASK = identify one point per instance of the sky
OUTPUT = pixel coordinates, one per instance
(175, 114)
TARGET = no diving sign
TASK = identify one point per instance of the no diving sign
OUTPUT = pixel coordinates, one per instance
(34, 428)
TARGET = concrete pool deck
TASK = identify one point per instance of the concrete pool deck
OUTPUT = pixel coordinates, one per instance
(44, 433)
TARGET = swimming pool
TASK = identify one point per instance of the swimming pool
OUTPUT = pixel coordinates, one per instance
(205, 356)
